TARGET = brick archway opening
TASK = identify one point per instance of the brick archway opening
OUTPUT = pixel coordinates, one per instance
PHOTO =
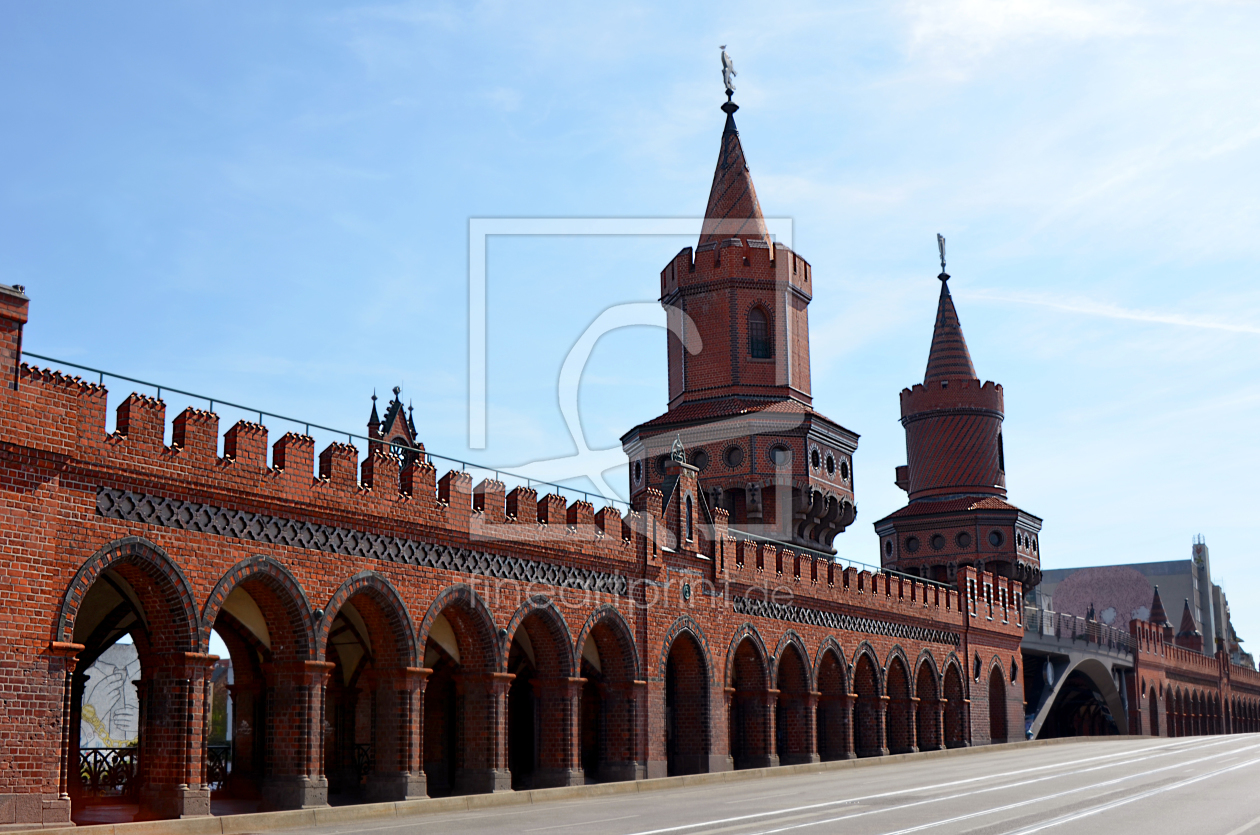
(686, 707)
(955, 705)
(749, 710)
(542, 701)
(462, 745)
(1153, 711)
(793, 742)
(610, 704)
(369, 709)
(997, 705)
(901, 730)
(835, 710)
(928, 715)
(275, 699)
(868, 710)
(127, 755)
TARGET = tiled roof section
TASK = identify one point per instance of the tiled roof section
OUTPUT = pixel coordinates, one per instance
(1158, 616)
(949, 356)
(729, 407)
(964, 503)
(733, 210)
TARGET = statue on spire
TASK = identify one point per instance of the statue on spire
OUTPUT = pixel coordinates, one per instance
(940, 245)
(728, 72)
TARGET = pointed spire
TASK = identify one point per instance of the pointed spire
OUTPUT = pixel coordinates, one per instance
(949, 356)
(733, 210)
(375, 420)
(1158, 616)
(1188, 626)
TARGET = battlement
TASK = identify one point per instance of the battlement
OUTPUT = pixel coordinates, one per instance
(735, 259)
(950, 394)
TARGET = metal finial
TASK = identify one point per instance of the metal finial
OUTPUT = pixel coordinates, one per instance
(397, 390)
(728, 72)
(940, 245)
(677, 452)
(373, 395)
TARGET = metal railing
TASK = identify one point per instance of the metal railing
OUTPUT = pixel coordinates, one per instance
(833, 558)
(218, 765)
(108, 772)
(1064, 627)
(464, 466)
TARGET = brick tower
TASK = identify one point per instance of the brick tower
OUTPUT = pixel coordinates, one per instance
(956, 475)
(739, 384)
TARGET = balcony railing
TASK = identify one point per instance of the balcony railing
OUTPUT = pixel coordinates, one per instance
(108, 772)
(1064, 627)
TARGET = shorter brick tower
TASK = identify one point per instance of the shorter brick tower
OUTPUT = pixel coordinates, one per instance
(956, 475)
(739, 377)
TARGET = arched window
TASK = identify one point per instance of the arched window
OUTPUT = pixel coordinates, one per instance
(689, 528)
(759, 345)
(1001, 454)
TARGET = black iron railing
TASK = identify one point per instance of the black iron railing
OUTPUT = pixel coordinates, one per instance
(364, 759)
(108, 772)
(218, 765)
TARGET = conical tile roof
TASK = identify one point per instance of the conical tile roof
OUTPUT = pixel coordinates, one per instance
(949, 356)
(1188, 626)
(1158, 616)
(733, 210)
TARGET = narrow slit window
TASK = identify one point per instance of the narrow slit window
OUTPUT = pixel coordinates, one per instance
(758, 335)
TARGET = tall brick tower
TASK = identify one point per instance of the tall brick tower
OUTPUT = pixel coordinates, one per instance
(739, 384)
(956, 475)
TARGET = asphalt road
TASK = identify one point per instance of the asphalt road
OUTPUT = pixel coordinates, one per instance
(1192, 786)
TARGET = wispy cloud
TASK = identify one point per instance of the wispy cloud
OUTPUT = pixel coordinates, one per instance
(1106, 310)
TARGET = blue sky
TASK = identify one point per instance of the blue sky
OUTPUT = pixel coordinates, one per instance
(270, 204)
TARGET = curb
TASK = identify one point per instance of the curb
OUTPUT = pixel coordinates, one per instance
(328, 815)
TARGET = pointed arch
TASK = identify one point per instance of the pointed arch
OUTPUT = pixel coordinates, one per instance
(954, 694)
(865, 649)
(290, 597)
(379, 587)
(869, 730)
(749, 632)
(899, 720)
(685, 625)
(555, 657)
(835, 707)
(686, 669)
(791, 639)
(928, 661)
(152, 562)
(997, 701)
(929, 733)
(475, 632)
(607, 615)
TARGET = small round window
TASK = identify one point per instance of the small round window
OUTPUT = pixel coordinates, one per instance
(844, 470)
(831, 464)
(638, 471)
(780, 455)
(815, 460)
(912, 544)
(700, 459)
(661, 463)
(963, 539)
(888, 547)
(734, 456)
(996, 539)
(938, 542)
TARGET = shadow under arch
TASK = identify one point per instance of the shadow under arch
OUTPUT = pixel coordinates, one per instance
(1088, 704)
(835, 703)
(264, 616)
(686, 668)
(371, 708)
(748, 707)
(870, 734)
(794, 724)
(929, 712)
(613, 700)
(999, 718)
(899, 722)
(464, 749)
(541, 697)
(956, 707)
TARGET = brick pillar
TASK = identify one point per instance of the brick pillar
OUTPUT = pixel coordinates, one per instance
(811, 727)
(938, 716)
(482, 738)
(295, 724)
(836, 714)
(912, 712)
(559, 732)
(174, 711)
(399, 712)
(769, 721)
(623, 755)
(881, 724)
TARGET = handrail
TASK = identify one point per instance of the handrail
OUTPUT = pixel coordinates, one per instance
(790, 546)
(1065, 627)
(350, 436)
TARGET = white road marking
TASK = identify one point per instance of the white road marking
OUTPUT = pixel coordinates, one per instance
(1246, 826)
(1009, 806)
(579, 823)
(1143, 754)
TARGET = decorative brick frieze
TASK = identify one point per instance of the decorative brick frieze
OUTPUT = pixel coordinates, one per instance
(844, 623)
(257, 527)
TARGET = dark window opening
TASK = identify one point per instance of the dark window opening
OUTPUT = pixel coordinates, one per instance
(759, 346)
(689, 527)
(1001, 454)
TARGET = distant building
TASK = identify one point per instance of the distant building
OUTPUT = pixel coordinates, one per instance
(1115, 594)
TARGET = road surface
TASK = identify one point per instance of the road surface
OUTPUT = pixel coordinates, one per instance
(1199, 785)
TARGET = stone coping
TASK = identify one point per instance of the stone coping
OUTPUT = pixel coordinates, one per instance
(331, 815)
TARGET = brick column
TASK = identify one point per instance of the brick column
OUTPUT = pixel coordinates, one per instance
(837, 717)
(881, 724)
(559, 737)
(173, 697)
(623, 755)
(912, 711)
(295, 726)
(482, 740)
(769, 720)
(400, 712)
